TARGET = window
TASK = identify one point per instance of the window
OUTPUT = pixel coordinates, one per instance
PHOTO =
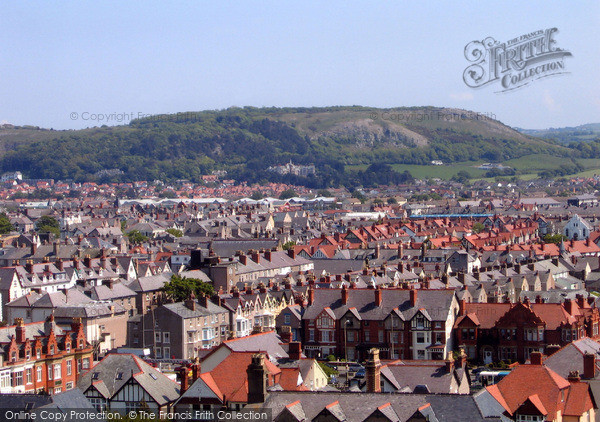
(167, 352)
(158, 353)
(287, 319)
(350, 335)
(38, 373)
(68, 347)
(86, 363)
(79, 365)
(157, 336)
(52, 349)
(5, 379)
(367, 336)
(98, 403)
(420, 338)
(381, 336)
(69, 386)
(38, 353)
(57, 371)
(49, 372)
(18, 378)
(69, 367)
(29, 376)
(57, 390)
(311, 335)
(28, 354)
(166, 337)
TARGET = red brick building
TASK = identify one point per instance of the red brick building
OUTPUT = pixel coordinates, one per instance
(493, 332)
(40, 356)
(401, 323)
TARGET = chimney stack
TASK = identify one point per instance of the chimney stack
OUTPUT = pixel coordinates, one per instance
(344, 295)
(257, 379)
(378, 296)
(311, 295)
(413, 297)
(535, 358)
(183, 376)
(295, 350)
(373, 372)
(190, 302)
(20, 330)
(589, 366)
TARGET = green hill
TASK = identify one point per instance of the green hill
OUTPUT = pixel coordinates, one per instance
(246, 141)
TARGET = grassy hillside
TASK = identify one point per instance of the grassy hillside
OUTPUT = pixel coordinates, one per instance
(245, 142)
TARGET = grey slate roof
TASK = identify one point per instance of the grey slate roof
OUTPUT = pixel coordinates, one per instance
(107, 381)
(433, 303)
(359, 406)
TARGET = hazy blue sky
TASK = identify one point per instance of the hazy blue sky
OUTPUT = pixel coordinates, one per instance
(147, 57)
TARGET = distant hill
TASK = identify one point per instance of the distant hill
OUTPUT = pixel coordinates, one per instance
(586, 133)
(246, 141)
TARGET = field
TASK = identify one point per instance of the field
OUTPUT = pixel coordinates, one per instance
(529, 166)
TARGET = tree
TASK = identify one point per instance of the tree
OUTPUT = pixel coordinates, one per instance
(5, 225)
(136, 237)
(324, 192)
(288, 245)
(48, 224)
(478, 227)
(175, 232)
(392, 201)
(554, 238)
(287, 194)
(256, 195)
(360, 196)
(180, 288)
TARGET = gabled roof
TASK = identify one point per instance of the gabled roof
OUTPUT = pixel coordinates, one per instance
(113, 372)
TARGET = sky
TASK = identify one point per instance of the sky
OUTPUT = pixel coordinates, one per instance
(79, 64)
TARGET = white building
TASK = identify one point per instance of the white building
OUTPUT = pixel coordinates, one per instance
(577, 228)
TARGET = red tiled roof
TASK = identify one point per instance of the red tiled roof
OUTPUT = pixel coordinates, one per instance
(579, 400)
(487, 313)
(231, 378)
(516, 387)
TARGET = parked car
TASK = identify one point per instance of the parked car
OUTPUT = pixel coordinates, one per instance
(360, 373)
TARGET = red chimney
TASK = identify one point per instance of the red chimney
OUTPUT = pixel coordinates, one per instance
(292, 253)
(311, 296)
(295, 350)
(256, 257)
(20, 330)
(413, 297)
(183, 375)
(589, 366)
(373, 372)
(60, 265)
(243, 259)
(462, 304)
(268, 255)
(378, 298)
(344, 295)
(535, 358)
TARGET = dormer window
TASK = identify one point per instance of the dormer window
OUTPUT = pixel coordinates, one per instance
(28, 354)
(68, 347)
(13, 357)
(38, 353)
(52, 349)
(81, 344)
